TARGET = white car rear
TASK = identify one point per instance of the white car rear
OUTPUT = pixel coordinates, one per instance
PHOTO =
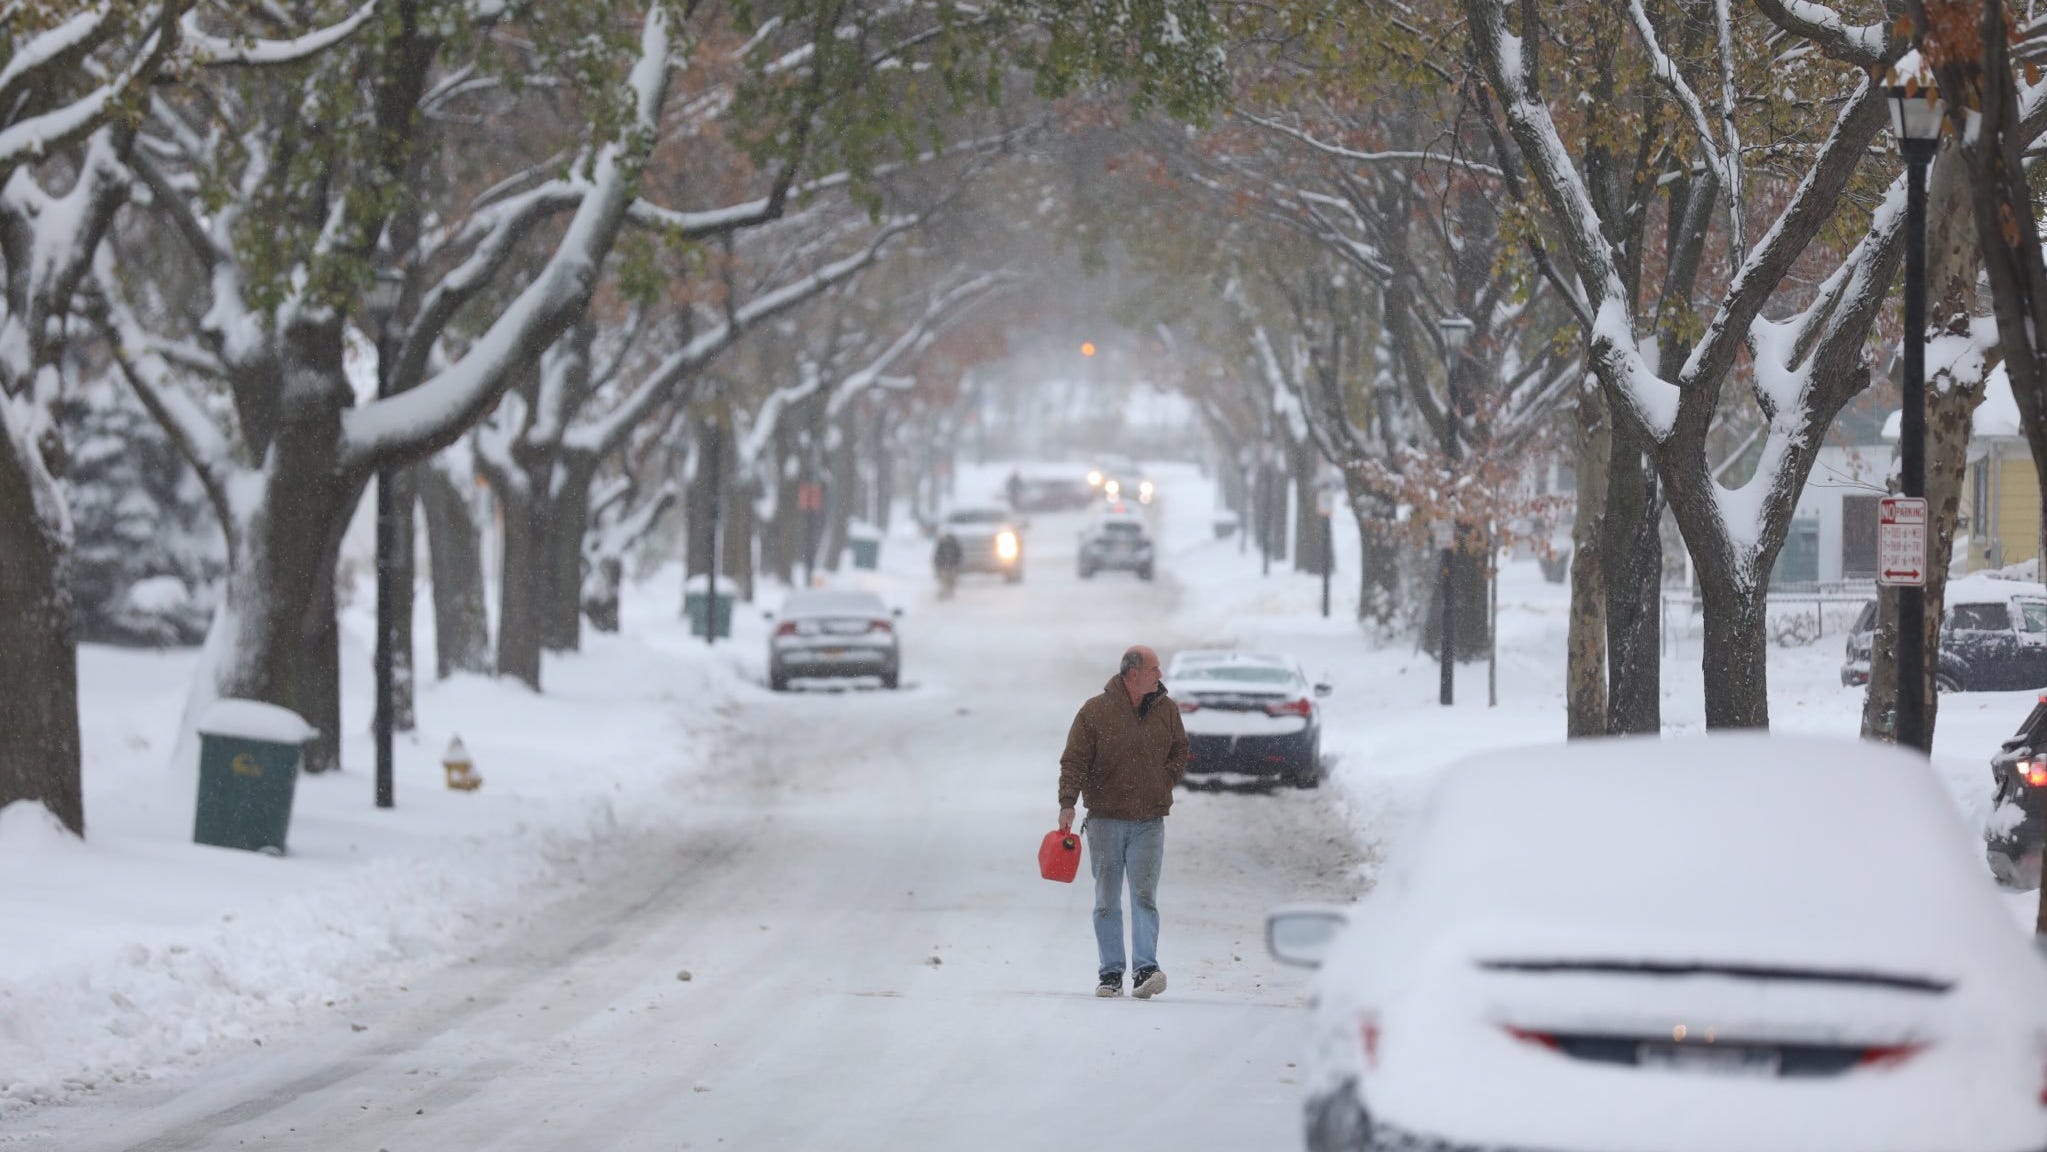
(1741, 942)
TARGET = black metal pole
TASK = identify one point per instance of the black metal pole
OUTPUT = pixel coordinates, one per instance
(1912, 728)
(1328, 560)
(387, 547)
(1447, 689)
(717, 466)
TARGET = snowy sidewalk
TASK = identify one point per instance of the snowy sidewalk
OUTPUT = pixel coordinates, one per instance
(137, 949)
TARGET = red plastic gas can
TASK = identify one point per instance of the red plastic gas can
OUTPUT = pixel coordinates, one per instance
(1059, 856)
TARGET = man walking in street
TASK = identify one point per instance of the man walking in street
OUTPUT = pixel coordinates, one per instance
(1124, 754)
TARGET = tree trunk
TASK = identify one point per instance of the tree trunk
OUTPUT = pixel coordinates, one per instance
(1585, 647)
(1632, 555)
(521, 590)
(1378, 558)
(39, 741)
(1736, 654)
(279, 644)
(404, 583)
(566, 521)
(736, 541)
(320, 674)
(1308, 553)
(455, 550)
(1468, 588)
(841, 495)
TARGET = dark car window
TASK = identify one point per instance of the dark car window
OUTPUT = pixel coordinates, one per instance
(988, 517)
(1981, 618)
(1866, 621)
(2033, 615)
(1124, 528)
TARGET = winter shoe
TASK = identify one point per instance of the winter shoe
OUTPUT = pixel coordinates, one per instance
(1111, 985)
(1147, 983)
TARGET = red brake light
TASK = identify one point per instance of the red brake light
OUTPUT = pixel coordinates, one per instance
(1187, 705)
(1368, 1035)
(1888, 1055)
(880, 626)
(786, 628)
(1301, 708)
(1539, 1039)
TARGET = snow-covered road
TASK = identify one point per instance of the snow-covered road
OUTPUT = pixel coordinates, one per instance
(871, 960)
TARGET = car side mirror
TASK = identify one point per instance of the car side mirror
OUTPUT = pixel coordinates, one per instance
(1324, 689)
(1301, 935)
(896, 612)
(767, 615)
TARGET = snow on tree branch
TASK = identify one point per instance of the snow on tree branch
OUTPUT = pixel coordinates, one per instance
(206, 48)
(418, 422)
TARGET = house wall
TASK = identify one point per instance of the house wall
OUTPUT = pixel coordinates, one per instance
(1837, 473)
(2015, 504)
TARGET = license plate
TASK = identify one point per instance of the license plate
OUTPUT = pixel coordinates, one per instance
(1713, 1059)
(832, 651)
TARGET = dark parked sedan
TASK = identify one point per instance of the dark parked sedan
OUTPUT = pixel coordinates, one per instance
(1993, 638)
(834, 633)
(1249, 714)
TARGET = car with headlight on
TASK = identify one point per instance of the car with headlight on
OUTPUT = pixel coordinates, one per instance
(1676, 945)
(834, 633)
(1249, 715)
(991, 540)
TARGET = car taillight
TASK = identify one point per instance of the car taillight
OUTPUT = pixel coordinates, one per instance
(1539, 1039)
(880, 626)
(1368, 1037)
(1188, 705)
(1889, 1055)
(2035, 772)
(786, 628)
(1301, 708)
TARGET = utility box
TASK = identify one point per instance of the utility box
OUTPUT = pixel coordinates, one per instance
(249, 755)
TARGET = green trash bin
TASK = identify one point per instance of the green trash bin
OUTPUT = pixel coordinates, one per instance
(249, 756)
(697, 603)
(866, 551)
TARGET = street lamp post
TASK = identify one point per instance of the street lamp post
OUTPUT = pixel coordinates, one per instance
(1455, 330)
(385, 291)
(1915, 119)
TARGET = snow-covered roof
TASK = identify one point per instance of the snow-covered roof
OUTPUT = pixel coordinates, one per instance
(1997, 418)
(254, 720)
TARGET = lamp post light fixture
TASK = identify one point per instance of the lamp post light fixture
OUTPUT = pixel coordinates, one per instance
(380, 307)
(1916, 114)
(1456, 332)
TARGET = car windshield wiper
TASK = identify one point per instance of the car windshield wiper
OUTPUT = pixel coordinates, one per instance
(1740, 971)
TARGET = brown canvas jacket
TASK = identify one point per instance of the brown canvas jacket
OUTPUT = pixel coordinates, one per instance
(1124, 760)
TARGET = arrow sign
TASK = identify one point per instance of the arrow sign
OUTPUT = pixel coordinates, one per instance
(1901, 541)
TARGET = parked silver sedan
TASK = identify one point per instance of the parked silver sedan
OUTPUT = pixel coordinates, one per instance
(833, 632)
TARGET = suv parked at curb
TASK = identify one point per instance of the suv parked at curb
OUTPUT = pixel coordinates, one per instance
(1993, 638)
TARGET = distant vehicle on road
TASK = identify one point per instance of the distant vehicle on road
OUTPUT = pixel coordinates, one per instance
(1676, 946)
(1117, 542)
(1993, 638)
(2017, 827)
(1052, 494)
(833, 632)
(1249, 714)
(991, 540)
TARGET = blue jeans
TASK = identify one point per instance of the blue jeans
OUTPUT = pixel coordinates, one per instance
(1137, 849)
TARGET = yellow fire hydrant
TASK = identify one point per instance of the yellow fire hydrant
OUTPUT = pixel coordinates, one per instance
(461, 771)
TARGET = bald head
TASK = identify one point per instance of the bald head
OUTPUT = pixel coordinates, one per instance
(1141, 670)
